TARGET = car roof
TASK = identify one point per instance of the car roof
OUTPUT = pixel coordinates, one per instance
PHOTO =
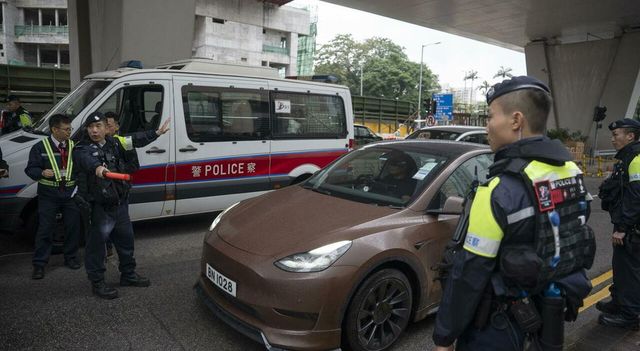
(446, 148)
(459, 129)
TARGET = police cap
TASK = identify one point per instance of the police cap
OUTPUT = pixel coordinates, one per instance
(93, 118)
(12, 98)
(624, 123)
(513, 84)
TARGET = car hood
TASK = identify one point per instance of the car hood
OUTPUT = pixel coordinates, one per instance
(18, 140)
(296, 218)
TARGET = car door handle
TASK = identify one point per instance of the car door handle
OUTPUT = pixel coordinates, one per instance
(188, 148)
(155, 150)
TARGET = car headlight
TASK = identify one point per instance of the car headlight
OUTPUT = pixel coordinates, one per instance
(314, 260)
(219, 217)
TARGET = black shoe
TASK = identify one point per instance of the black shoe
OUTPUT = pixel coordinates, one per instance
(72, 263)
(38, 272)
(608, 307)
(619, 321)
(101, 290)
(134, 280)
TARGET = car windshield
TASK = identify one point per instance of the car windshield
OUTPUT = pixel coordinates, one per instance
(435, 134)
(75, 102)
(380, 175)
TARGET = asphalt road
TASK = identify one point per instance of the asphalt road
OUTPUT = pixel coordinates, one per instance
(59, 312)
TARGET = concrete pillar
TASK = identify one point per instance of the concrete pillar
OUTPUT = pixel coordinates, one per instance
(586, 74)
(57, 18)
(79, 40)
(58, 51)
(38, 55)
(40, 17)
(292, 68)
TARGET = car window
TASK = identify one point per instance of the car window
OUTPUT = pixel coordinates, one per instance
(132, 105)
(460, 180)
(379, 175)
(478, 138)
(434, 134)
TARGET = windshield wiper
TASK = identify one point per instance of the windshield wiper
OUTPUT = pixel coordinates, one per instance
(321, 191)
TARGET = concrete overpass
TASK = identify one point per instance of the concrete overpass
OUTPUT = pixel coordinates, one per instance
(588, 51)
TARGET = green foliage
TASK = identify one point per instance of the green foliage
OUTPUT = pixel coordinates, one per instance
(386, 69)
(565, 135)
(504, 73)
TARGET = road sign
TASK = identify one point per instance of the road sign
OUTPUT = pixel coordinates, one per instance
(431, 121)
(444, 107)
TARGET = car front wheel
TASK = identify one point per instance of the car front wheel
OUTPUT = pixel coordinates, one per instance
(379, 311)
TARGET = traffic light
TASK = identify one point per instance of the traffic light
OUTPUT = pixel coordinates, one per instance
(426, 104)
(434, 105)
(599, 113)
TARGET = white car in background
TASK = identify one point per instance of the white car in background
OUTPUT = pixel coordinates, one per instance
(470, 134)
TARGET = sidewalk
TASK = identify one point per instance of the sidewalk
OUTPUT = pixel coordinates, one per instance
(596, 337)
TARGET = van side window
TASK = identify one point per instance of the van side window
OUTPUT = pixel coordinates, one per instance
(298, 115)
(216, 114)
(138, 107)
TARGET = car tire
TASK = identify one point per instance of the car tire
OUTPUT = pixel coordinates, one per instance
(379, 311)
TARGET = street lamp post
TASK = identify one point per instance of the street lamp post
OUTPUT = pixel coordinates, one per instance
(420, 84)
(361, 78)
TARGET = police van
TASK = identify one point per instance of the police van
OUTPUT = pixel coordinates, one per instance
(236, 132)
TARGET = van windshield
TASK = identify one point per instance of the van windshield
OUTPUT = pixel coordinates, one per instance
(382, 176)
(75, 102)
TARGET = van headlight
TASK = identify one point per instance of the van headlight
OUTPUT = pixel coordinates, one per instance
(219, 217)
(314, 260)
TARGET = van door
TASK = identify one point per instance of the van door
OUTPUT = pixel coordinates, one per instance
(222, 141)
(142, 106)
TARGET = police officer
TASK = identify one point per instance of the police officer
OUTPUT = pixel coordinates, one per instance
(51, 165)
(17, 118)
(509, 259)
(109, 207)
(620, 196)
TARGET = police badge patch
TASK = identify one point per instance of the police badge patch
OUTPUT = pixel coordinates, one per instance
(543, 194)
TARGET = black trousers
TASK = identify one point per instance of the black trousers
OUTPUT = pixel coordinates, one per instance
(109, 223)
(48, 207)
(500, 334)
(626, 280)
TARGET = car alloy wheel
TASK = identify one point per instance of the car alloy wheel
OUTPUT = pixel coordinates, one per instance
(379, 311)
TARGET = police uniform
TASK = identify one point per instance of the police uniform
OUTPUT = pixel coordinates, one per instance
(54, 195)
(620, 196)
(109, 211)
(16, 120)
(508, 256)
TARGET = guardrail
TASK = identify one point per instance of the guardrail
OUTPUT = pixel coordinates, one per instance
(275, 49)
(22, 30)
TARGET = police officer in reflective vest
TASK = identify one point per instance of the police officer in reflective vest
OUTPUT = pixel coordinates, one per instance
(109, 207)
(527, 245)
(620, 196)
(17, 117)
(51, 165)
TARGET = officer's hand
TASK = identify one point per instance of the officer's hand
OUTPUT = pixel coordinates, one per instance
(164, 128)
(4, 173)
(616, 238)
(443, 348)
(100, 171)
(47, 173)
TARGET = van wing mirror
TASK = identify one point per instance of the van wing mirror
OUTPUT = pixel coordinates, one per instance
(452, 206)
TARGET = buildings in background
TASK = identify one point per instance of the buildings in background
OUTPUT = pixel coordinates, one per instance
(34, 33)
(257, 33)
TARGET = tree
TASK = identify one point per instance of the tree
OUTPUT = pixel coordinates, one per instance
(472, 76)
(504, 73)
(386, 69)
(484, 87)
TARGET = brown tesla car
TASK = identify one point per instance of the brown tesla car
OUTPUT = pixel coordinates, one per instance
(343, 260)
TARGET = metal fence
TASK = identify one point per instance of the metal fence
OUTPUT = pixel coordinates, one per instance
(22, 30)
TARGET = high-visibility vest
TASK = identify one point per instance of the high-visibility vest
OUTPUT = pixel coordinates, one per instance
(60, 179)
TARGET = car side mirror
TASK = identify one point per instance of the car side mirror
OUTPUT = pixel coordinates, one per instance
(452, 206)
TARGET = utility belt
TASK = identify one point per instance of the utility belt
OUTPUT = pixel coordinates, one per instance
(540, 318)
(55, 184)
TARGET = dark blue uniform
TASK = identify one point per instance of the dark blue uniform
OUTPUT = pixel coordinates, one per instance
(109, 206)
(503, 205)
(53, 197)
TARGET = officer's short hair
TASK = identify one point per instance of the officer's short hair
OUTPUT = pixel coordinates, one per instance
(534, 104)
(58, 119)
(112, 115)
(636, 133)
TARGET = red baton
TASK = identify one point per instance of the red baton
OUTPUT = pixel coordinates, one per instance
(117, 176)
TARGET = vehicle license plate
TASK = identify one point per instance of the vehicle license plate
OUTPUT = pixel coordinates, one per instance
(219, 280)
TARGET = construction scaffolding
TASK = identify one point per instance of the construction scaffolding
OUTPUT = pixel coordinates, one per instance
(307, 46)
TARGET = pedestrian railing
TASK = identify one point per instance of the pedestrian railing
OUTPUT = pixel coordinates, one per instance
(598, 166)
(22, 30)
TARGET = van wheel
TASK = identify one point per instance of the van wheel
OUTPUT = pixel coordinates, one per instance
(379, 311)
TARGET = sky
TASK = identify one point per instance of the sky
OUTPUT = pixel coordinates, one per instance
(449, 60)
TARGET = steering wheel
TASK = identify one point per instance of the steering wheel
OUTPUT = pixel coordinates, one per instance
(364, 182)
